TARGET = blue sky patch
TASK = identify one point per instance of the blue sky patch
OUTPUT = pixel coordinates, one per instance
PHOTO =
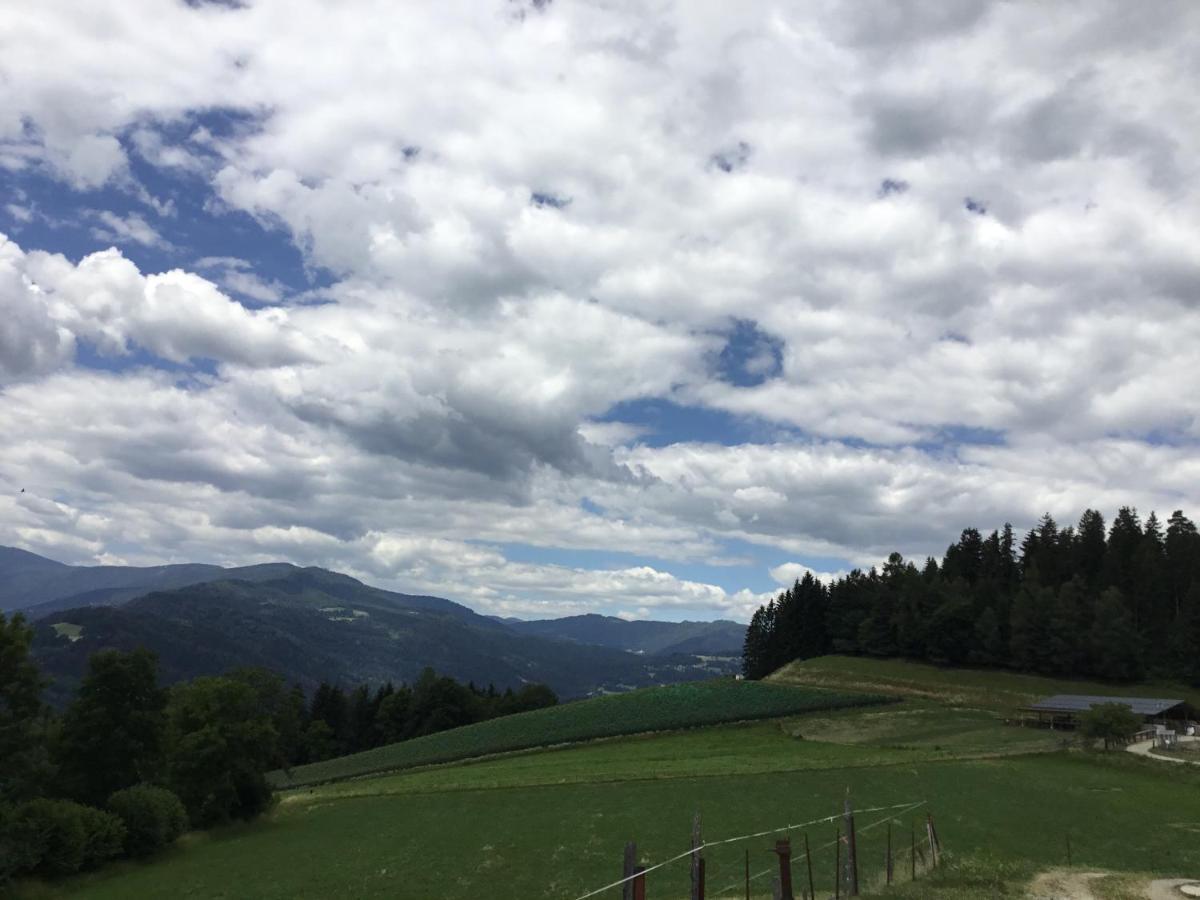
(665, 422)
(545, 198)
(750, 355)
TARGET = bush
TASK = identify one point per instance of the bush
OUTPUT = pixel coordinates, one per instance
(58, 837)
(104, 835)
(153, 816)
(1111, 722)
(17, 851)
(52, 834)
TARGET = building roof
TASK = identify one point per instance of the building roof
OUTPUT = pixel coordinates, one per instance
(1143, 706)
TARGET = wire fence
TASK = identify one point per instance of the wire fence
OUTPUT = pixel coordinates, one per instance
(894, 811)
(905, 810)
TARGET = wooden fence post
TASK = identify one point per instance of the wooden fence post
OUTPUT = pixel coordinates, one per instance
(851, 849)
(627, 870)
(933, 854)
(837, 864)
(1068, 850)
(812, 894)
(701, 892)
(783, 849)
(747, 875)
(888, 861)
(697, 878)
(776, 890)
(639, 883)
(913, 850)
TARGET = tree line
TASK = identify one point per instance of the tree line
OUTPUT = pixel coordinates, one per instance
(335, 722)
(130, 764)
(1117, 602)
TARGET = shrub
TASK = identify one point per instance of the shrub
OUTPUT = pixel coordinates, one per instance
(52, 834)
(58, 837)
(153, 816)
(18, 852)
(1111, 722)
(103, 835)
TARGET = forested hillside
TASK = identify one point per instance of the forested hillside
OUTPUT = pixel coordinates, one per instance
(1115, 603)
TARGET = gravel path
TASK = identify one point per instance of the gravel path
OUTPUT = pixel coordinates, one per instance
(1064, 884)
(1144, 748)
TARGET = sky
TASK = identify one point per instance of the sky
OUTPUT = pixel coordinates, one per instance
(641, 308)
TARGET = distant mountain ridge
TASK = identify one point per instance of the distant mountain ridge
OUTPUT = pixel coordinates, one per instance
(38, 585)
(639, 636)
(312, 625)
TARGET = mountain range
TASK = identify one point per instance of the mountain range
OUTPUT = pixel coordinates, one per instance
(314, 625)
(639, 636)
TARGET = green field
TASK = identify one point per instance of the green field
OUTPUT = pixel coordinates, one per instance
(552, 823)
(979, 688)
(651, 709)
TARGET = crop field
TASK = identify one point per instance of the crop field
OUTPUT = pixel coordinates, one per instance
(652, 709)
(977, 688)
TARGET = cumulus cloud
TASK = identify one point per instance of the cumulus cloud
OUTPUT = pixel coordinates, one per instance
(31, 341)
(795, 176)
(105, 299)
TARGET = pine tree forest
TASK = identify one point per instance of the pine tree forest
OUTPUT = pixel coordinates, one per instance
(1118, 603)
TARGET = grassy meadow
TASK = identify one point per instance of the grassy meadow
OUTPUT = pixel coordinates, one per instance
(977, 688)
(552, 823)
(673, 706)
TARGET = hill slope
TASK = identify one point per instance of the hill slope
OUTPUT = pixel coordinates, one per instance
(314, 625)
(654, 709)
(719, 637)
(993, 689)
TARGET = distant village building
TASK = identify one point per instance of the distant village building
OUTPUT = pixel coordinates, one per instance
(1064, 710)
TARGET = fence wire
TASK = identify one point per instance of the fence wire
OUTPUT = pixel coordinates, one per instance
(746, 837)
(907, 809)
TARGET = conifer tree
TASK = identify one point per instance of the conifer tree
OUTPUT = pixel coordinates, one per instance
(22, 745)
(1115, 646)
(1182, 551)
(1067, 631)
(1090, 545)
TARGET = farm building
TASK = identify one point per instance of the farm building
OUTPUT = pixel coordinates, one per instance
(1064, 710)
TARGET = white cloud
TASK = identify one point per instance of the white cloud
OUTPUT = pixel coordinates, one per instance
(122, 229)
(105, 299)
(788, 574)
(939, 368)
(31, 341)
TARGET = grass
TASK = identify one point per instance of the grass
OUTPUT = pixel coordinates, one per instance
(979, 688)
(553, 823)
(651, 709)
(943, 731)
(744, 749)
(1000, 820)
(69, 631)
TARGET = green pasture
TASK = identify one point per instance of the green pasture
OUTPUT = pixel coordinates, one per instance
(1003, 818)
(552, 822)
(651, 709)
(979, 688)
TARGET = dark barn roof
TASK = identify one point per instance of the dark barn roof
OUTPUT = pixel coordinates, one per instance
(1143, 706)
